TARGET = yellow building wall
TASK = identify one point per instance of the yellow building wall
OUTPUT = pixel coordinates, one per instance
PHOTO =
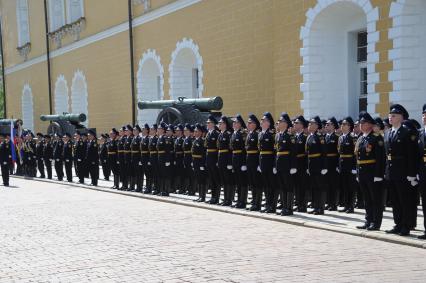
(250, 52)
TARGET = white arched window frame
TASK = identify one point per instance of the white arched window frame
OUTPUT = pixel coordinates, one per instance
(61, 95)
(56, 14)
(27, 108)
(22, 22)
(79, 95)
(75, 10)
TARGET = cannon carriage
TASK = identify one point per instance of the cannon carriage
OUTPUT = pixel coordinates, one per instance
(65, 123)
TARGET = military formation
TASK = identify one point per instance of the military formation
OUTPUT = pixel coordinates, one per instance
(304, 165)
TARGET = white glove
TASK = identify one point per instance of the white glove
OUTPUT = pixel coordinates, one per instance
(243, 168)
(377, 179)
(202, 168)
(337, 170)
(4, 163)
(149, 163)
(324, 171)
(258, 169)
(414, 183)
(29, 158)
(50, 159)
(274, 170)
(57, 160)
(410, 179)
(167, 164)
(293, 171)
(418, 177)
(353, 172)
(78, 159)
(140, 163)
(93, 163)
(67, 160)
(229, 167)
(307, 172)
(192, 164)
(357, 179)
(118, 162)
(174, 162)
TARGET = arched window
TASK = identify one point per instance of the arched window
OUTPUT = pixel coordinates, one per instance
(75, 10)
(79, 95)
(150, 83)
(186, 70)
(23, 22)
(61, 95)
(57, 14)
(27, 108)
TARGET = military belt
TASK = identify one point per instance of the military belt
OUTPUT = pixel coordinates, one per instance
(135, 151)
(266, 152)
(120, 151)
(390, 157)
(301, 155)
(126, 151)
(252, 151)
(111, 153)
(331, 154)
(283, 153)
(211, 150)
(144, 151)
(368, 161)
(153, 152)
(346, 155)
(179, 152)
(187, 152)
(314, 155)
(197, 156)
(223, 150)
(161, 152)
(237, 151)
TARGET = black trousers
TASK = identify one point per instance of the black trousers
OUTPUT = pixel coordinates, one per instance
(240, 178)
(48, 164)
(318, 191)
(422, 189)
(68, 170)
(5, 174)
(214, 180)
(348, 181)
(269, 182)
(400, 202)
(94, 173)
(59, 168)
(285, 183)
(80, 170)
(332, 181)
(40, 166)
(254, 184)
(372, 202)
(106, 169)
(301, 186)
(225, 176)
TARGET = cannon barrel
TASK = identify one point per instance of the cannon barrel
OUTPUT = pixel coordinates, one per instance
(203, 104)
(6, 122)
(64, 117)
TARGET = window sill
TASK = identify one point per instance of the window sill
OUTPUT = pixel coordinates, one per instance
(73, 29)
(24, 50)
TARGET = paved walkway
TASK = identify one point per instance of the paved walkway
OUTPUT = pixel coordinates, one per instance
(59, 233)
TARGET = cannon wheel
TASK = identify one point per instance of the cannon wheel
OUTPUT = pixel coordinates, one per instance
(54, 128)
(170, 115)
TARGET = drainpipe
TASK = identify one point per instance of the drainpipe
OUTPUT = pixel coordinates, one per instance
(49, 79)
(2, 71)
(132, 66)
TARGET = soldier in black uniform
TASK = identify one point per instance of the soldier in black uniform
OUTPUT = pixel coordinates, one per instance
(178, 160)
(285, 164)
(422, 167)
(84, 165)
(103, 156)
(238, 141)
(67, 156)
(30, 156)
(224, 161)
(317, 165)
(369, 152)
(198, 151)
(332, 181)
(92, 157)
(80, 148)
(144, 148)
(164, 151)
(153, 159)
(58, 146)
(378, 129)
(135, 153)
(4, 159)
(347, 165)
(113, 157)
(128, 172)
(189, 179)
(400, 168)
(266, 160)
(122, 158)
(39, 154)
(302, 178)
(211, 159)
(252, 162)
(48, 155)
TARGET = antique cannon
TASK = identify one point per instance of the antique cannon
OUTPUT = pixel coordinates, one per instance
(5, 126)
(65, 123)
(185, 110)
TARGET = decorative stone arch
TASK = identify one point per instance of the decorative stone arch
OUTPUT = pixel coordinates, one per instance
(150, 84)
(330, 27)
(408, 54)
(27, 108)
(186, 70)
(79, 95)
(61, 95)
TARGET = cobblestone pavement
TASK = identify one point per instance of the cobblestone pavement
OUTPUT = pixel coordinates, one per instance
(60, 233)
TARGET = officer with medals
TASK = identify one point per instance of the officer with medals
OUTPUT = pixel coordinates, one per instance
(317, 165)
(113, 157)
(252, 161)
(302, 178)
(267, 160)
(198, 152)
(332, 177)
(224, 162)
(79, 157)
(369, 152)
(239, 167)
(189, 182)
(285, 164)
(211, 159)
(67, 156)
